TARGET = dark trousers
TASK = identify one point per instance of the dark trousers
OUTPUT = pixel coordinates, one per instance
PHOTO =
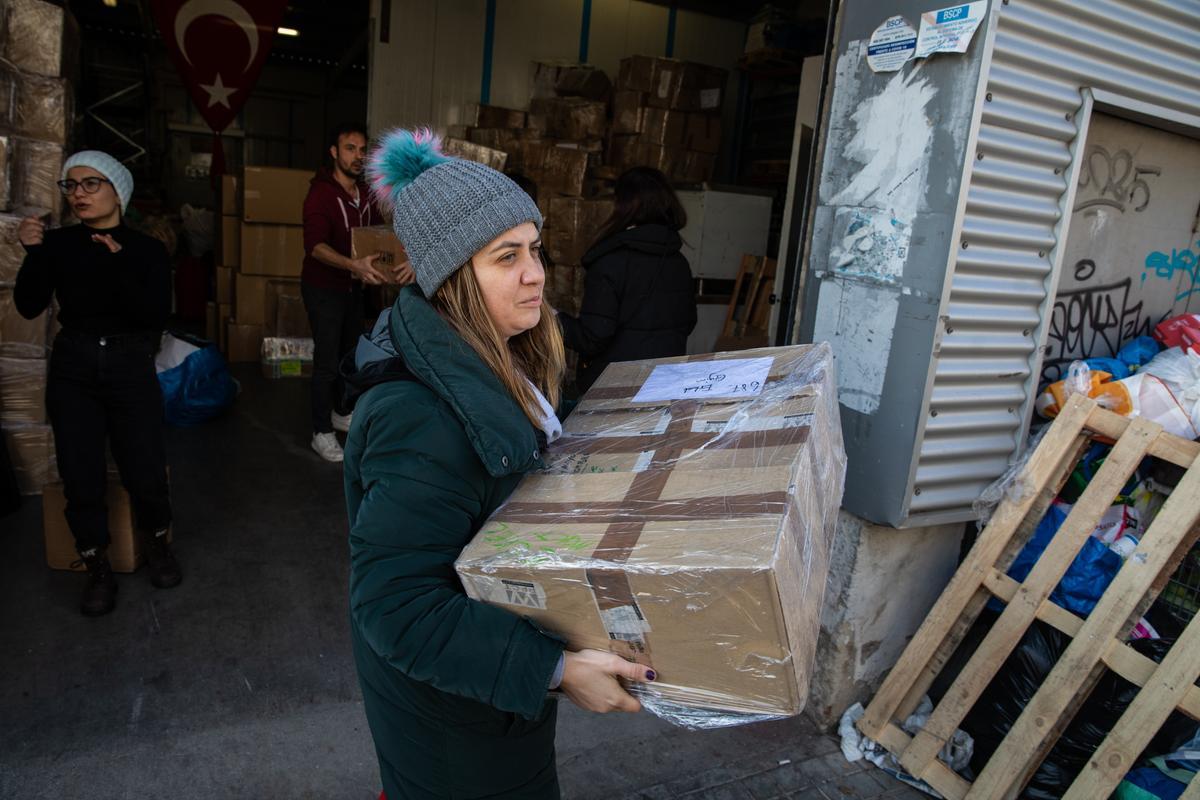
(336, 319)
(105, 391)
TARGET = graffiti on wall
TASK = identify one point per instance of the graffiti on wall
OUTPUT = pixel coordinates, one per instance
(1113, 179)
(1180, 265)
(1095, 320)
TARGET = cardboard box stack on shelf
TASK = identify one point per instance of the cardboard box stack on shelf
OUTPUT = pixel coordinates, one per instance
(667, 115)
(38, 48)
(257, 286)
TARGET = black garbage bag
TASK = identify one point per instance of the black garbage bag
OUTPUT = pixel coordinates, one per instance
(1018, 680)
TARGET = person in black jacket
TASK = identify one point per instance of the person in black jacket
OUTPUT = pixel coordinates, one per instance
(113, 286)
(638, 297)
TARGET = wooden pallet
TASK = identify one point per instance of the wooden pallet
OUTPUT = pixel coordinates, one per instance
(1096, 642)
(756, 276)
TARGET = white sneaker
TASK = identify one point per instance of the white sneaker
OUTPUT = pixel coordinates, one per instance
(327, 447)
(341, 423)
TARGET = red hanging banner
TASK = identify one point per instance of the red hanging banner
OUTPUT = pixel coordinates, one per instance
(219, 47)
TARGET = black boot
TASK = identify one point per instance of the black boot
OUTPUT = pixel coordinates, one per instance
(164, 569)
(100, 594)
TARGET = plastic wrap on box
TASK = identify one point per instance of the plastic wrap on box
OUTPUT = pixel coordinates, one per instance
(286, 357)
(498, 117)
(5, 177)
(571, 117)
(628, 111)
(33, 36)
(555, 170)
(665, 127)
(684, 520)
(12, 254)
(31, 448)
(36, 168)
(572, 226)
(20, 337)
(495, 158)
(22, 390)
(583, 80)
(41, 107)
(286, 314)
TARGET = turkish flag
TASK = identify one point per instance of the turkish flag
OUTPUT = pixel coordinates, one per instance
(219, 47)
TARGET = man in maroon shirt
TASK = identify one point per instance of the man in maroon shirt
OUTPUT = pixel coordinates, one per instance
(332, 281)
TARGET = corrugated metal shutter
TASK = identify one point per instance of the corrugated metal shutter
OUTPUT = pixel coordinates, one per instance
(986, 362)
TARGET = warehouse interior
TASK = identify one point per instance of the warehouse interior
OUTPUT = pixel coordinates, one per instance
(240, 682)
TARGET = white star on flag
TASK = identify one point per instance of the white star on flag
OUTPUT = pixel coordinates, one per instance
(218, 92)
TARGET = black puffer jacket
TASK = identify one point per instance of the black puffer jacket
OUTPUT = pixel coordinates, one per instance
(638, 301)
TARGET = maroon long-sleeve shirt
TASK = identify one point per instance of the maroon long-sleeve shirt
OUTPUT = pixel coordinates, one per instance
(330, 213)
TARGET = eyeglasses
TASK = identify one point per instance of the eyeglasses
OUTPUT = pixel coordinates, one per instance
(90, 185)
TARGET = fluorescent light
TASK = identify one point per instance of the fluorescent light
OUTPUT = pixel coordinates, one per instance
(287, 31)
(110, 3)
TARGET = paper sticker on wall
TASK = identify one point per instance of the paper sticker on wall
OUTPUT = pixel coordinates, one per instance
(892, 45)
(949, 30)
(873, 245)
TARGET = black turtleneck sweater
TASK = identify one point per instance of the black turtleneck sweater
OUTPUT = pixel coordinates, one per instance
(99, 292)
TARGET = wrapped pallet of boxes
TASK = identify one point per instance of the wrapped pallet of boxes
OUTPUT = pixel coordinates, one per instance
(12, 254)
(31, 448)
(36, 168)
(683, 520)
(22, 391)
(40, 37)
(20, 337)
(572, 226)
(284, 357)
(498, 117)
(555, 170)
(471, 151)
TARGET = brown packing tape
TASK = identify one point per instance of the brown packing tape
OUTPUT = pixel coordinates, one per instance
(611, 587)
(621, 511)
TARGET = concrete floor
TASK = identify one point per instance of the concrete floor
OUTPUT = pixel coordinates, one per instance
(240, 683)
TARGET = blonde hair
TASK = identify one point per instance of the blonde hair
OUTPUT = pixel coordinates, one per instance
(536, 354)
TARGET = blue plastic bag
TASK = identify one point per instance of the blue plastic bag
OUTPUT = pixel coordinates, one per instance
(1138, 352)
(195, 380)
(1085, 580)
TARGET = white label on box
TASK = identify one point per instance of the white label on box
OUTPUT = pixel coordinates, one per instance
(508, 592)
(644, 459)
(737, 377)
(710, 98)
(625, 623)
(949, 30)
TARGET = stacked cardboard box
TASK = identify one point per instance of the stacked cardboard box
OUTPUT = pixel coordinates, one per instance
(38, 47)
(667, 115)
(257, 286)
(684, 520)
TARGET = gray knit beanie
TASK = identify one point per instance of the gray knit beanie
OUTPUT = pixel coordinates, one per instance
(444, 210)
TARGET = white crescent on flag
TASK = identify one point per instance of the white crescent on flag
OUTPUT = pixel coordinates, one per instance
(229, 9)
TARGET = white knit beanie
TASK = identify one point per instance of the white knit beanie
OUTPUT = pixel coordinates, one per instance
(107, 166)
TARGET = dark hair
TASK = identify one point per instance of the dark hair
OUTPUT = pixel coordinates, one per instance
(345, 129)
(643, 197)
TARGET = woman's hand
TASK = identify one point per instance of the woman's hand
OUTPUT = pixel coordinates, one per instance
(30, 231)
(364, 268)
(107, 240)
(590, 681)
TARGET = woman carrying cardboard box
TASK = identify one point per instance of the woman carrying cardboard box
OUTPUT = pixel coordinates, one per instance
(113, 287)
(459, 382)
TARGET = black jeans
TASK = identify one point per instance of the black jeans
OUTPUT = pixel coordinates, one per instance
(336, 319)
(105, 390)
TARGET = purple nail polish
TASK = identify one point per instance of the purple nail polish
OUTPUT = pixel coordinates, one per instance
(651, 675)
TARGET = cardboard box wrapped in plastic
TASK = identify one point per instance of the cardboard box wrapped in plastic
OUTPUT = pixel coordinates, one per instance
(684, 520)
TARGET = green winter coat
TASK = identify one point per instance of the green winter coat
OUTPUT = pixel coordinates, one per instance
(454, 690)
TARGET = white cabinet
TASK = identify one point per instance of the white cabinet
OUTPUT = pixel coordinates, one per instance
(722, 227)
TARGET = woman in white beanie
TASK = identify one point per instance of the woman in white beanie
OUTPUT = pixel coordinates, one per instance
(113, 290)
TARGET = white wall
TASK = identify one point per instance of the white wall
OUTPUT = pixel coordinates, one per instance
(431, 70)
